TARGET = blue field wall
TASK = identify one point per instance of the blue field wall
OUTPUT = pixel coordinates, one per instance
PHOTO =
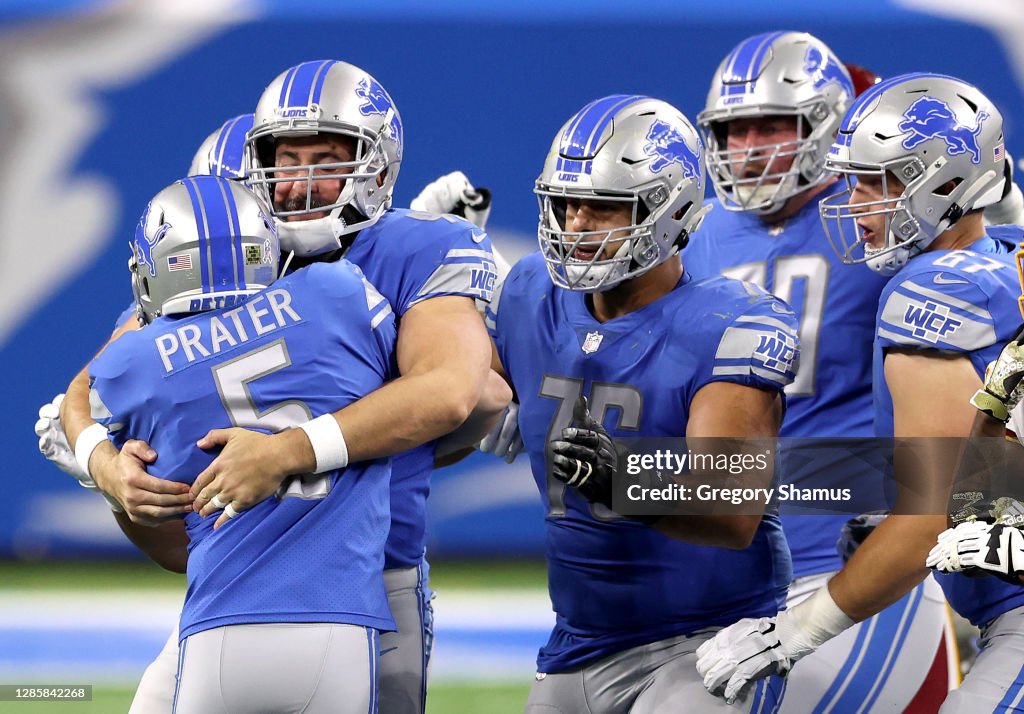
(102, 104)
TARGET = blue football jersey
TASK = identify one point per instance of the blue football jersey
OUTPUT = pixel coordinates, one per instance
(616, 583)
(310, 344)
(831, 395)
(410, 256)
(961, 302)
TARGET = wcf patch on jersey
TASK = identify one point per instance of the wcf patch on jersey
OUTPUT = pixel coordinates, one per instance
(930, 321)
(776, 351)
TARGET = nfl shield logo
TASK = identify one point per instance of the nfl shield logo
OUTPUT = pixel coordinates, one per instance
(592, 342)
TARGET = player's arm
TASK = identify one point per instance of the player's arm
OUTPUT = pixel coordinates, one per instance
(930, 394)
(462, 442)
(734, 411)
(147, 500)
(166, 544)
(443, 358)
(503, 437)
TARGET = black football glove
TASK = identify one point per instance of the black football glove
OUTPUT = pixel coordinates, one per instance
(585, 456)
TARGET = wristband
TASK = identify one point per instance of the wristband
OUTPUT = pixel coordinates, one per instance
(90, 437)
(328, 443)
(985, 401)
(813, 622)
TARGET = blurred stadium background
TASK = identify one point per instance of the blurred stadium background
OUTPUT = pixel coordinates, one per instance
(103, 103)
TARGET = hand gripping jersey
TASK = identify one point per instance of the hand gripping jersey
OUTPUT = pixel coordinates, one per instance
(616, 583)
(310, 344)
(411, 256)
(956, 302)
(834, 303)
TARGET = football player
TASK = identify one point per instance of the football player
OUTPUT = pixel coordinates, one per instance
(605, 311)
(220, 154)
(771, 115)
(324, 153)
(221, 347)
(923, 155)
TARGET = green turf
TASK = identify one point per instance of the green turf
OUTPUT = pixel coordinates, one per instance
(475, 698)
(142, 574)
(441, 699)
(105, 700)
(64, 575)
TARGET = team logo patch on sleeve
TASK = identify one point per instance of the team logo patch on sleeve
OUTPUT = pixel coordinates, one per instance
(931, 118)
(930, 321)
(776, 351)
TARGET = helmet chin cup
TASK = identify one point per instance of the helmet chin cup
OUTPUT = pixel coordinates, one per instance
(313, 237)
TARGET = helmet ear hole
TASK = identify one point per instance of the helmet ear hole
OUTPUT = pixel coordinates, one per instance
(948, 187)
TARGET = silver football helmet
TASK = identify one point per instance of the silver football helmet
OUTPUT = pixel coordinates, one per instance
(202, 243)
(336, 98)
(628, 148)
(774, 74)
(941, 138)
(221, 154)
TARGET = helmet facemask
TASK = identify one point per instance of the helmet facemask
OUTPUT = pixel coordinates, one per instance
(635, 254)
(367, 182)
(904, 236)
(763, 192)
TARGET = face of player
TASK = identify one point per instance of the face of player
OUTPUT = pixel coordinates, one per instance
(321, 149)
(876, 189)
(751, 141)
(590, 215)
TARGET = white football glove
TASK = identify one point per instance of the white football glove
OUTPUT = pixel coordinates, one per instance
(1004, 381)
(978, 547)
(747, 650)
(504, 440)
(53, 442)
(453, 193)
(758, 647)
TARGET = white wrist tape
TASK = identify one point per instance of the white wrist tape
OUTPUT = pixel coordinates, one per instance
(812, 623)
(91, 437)
(328, 443)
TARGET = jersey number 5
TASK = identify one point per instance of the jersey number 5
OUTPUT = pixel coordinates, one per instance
(233, 378)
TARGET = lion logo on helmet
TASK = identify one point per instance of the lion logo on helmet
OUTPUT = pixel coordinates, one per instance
(377, 100)
(931, 118)
(824, 69)
(377, 103)
(143, 246)
(668, 146)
